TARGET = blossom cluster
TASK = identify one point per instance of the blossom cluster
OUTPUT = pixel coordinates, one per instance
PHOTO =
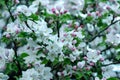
(59, 39)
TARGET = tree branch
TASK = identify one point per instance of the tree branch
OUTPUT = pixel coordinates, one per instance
(14, 42)
(103, 30)
(29, 27)
(58, 27)
(18, 64)
(111, 63)
(106, 48)
(9, 11)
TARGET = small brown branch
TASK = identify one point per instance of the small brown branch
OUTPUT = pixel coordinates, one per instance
(103, 30)
(29, 27)
(17, 62)
(14, 42)
(106, 48)
(9, 11)
(58, 32)
(111, 63)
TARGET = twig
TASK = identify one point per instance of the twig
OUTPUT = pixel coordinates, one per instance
(106, 48)
(58, 27)
(9, 11)
(18, 64)
(27, 2)
(102, 31)
(111, 63)
(29, 27)
(15, 46)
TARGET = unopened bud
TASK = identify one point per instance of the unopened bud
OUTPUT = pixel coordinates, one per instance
(7, 35)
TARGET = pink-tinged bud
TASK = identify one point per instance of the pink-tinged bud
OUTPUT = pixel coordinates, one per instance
(54, 10)
(74, 42)
(108, 8)
(85, 58)
(65, 35)
(16, 1)
(74, 68)
(69, 25)
(7, 35)
(73, 49)
(98, 52)
(57, 14)
(89, 14)
(61, 13)
(101, 59)
(81, 26)
(98, 13)
(62, 74)
(62, 40)
(88, 68)
(29, 65)
(17, 31)
(91, 64)
(65, 11)
(73, 35)
(76, 27)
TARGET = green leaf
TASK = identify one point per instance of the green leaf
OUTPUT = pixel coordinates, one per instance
(89, 73)
(67, 61)
(6, 40)
(55, 62)
(23, 55)
(32, 35)
(79, 75)
(67, 78)
(113, 78)
(118, 56)
(45, 61)
(65, 17)
(23, 17)
(23, 34)
(11, 68)
(34, 17)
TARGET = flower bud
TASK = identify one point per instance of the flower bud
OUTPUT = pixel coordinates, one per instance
(53, 10)
(74, 68)
(7, 35)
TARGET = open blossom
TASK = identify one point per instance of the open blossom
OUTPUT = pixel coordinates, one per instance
(40, 27)
(81, 64)
(77, 5)
(30, 74)
(90, 27)
(5, 57)
(6, 54)
(113, 38)
(44, 3)
(96, 41)
(108, 72)
(93, 56)
(44, 72)
(3, 76)
(27, 10)
(40, 72)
